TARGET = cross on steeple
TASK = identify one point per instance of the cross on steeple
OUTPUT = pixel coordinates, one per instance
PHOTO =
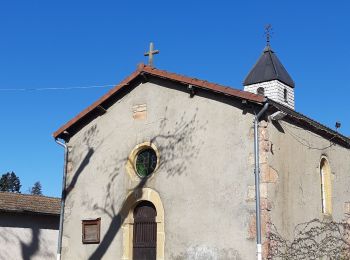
(268, 33)
(150, 54)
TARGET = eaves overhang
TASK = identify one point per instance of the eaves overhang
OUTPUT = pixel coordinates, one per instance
(101, 105)
(307, 123)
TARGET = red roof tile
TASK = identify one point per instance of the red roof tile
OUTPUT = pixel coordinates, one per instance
(143, 69)
(25, 203)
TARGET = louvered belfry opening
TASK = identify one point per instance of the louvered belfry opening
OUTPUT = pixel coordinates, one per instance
(145, 231)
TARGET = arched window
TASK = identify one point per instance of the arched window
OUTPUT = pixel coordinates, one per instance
(326, 186)
(260, 91)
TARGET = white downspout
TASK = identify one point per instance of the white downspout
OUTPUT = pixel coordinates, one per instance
(63, 198)
(257, 181)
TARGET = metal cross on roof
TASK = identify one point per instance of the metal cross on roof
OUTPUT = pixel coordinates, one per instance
(268, 33)
(150, 54)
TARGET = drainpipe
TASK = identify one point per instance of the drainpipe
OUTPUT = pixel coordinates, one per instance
(257, 181)
(63, 198)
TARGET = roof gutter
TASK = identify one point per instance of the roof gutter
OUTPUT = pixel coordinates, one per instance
(29, 212)
(63, 198)
(257, 180)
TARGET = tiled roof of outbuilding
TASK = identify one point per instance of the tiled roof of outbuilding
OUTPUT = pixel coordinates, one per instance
(25, 203)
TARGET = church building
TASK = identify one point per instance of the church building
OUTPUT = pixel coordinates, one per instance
(162, 167)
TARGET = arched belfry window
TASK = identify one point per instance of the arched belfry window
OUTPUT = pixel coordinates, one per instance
(260, 91)
(326, 186)
(145, 231)
(285, 95)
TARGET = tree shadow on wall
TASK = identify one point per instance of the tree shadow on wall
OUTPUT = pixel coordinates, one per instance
(25, 232)
(12, 237)
(178, 144)
(29, 250)
(177, 149)
(117, 220)
(89, 140)
(77, 173)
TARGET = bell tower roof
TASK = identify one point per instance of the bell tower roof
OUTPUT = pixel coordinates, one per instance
(267, 68)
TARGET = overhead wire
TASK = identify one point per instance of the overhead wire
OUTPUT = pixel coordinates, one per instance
(55, 88)
(304, 142)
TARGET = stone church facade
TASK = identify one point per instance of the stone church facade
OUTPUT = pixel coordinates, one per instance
(162, 167)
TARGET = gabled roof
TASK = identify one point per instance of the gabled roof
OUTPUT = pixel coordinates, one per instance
(267, 68)
(25, 203)
(143, 72)
(100, 105)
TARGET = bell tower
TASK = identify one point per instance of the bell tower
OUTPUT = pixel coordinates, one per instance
(268, 77)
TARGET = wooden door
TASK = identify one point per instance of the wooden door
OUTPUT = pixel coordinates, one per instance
(145, 232)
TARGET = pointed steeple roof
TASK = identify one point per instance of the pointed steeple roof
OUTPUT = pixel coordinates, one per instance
(267, 68)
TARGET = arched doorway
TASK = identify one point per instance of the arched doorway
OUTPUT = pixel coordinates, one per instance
(145, 231)
(132, 201)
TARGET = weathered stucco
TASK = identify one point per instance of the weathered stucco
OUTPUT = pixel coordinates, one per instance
(203, 176)
(24, 236)
(295, 155)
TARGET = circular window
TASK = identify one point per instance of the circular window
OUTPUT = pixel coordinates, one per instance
(146, 162)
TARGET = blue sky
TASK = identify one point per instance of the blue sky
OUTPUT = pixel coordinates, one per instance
(48, 44)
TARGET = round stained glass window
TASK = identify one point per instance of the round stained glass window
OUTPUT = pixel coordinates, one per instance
(146, 162)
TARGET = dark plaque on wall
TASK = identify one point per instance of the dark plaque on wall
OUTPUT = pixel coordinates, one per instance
(91, 231)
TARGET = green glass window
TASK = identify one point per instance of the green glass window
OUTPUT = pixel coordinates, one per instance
(146, 162)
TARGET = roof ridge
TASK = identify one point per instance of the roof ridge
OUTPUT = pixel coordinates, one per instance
(27, 195)
(273, 63)
(196, 79)
(142, 68)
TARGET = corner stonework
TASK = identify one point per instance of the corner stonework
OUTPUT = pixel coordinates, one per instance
(268, 177)
(347, 209)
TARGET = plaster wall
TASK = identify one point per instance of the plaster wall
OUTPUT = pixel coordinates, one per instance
(295, 155)
(206, 167)
(25, 236)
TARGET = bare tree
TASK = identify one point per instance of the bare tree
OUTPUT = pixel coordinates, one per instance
(312, 240)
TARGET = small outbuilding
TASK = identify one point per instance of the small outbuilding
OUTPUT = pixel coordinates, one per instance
(28, 226)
